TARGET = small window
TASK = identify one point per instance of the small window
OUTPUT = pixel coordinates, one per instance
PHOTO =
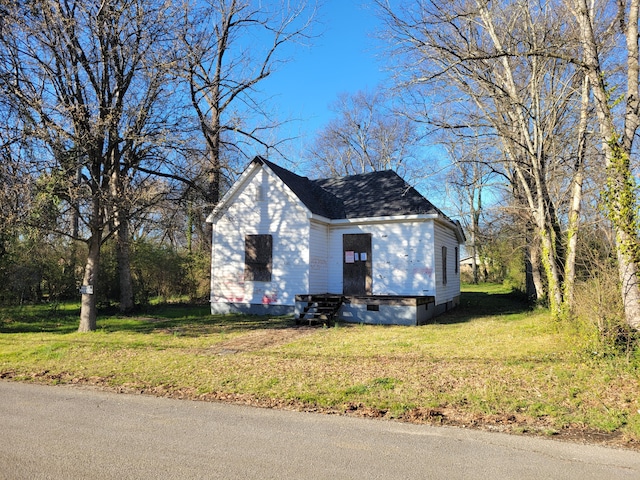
(444, 265)
(258, 251)
(373, 308)
(456, 266)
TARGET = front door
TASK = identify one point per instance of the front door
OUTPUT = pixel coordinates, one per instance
(356, 264)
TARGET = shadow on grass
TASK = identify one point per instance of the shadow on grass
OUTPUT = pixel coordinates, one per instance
(481, 304)
(190, 320)
(194, 320)
(175, 319)
(53, 318)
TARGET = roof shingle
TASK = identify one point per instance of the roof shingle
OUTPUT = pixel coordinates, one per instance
(375, 194)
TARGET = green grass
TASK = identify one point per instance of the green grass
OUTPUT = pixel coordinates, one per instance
(491, 362)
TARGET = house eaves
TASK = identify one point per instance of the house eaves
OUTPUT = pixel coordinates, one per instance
(374, 220)
(455, 226)
(438, 218)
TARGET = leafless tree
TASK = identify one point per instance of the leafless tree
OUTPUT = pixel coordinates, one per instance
(230, 46)
(472, 177)
(366, 135)
(86, 77)
(477, 55)
(619, 117)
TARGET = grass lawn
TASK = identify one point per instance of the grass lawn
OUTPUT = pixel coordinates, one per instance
(489, 364)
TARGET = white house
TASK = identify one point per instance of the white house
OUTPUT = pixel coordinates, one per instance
(372, 241)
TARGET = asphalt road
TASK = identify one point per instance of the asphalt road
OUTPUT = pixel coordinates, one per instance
(77, 433)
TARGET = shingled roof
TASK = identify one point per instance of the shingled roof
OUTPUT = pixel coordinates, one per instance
(375, 194)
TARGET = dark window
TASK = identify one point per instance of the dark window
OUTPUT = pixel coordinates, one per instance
(444, 265)
(257, 258)
(456, 265)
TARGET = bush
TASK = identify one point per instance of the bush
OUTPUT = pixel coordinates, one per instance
(36, 269)
(158, 272)
(164, 272)
(599, 313)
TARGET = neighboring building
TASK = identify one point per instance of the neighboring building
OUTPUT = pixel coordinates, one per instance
(371, 239)
(466, 268)
(466, 265)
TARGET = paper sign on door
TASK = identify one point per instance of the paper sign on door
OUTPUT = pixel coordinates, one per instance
(349, 257)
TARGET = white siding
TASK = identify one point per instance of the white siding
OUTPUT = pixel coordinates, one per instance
(307, 254)
(318, 260)
(262, 206)
(445, 237)
(402, 257)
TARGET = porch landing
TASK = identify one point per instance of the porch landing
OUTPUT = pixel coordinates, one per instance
(379, 309)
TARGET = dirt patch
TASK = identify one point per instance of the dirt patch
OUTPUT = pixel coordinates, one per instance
(150, 319)
(259, 340)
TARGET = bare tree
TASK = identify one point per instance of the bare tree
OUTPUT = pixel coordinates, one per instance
(476, 54)
(471, 178)
(86, 77)
(619, 119)
(366, 135)
(15, 180)
(230, 47)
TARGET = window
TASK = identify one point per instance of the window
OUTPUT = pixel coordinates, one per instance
(257, 257)
(444, 265)
(456, 265)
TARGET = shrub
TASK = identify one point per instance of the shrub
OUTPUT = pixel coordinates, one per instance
(35, 269)
(599, 314)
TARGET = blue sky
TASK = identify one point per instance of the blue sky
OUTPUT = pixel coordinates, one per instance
(343, 59)
(346, 58)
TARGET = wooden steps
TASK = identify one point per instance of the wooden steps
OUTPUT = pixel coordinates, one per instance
(321, 308)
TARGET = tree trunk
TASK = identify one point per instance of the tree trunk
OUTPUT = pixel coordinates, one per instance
(535, 285)
(120, 218)
(475, 229)
(123, 252)
(551, 268)
(572, 243)
(628, 271)
(620, 197)
(74, 260)
(621, 204)
(474, 264)
(88, 309)
(576, 200)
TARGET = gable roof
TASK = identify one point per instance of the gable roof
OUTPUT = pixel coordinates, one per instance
(375, 194)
